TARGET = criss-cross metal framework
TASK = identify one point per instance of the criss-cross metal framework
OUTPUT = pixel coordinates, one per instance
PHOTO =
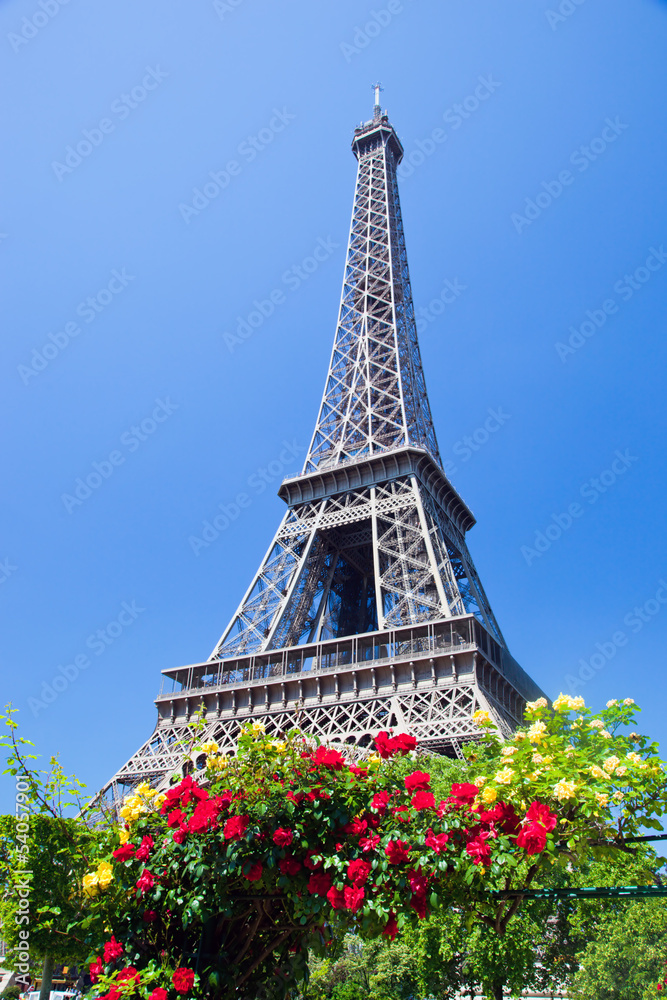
(367, 611)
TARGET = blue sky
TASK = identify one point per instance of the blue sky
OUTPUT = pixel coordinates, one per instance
(541, 207)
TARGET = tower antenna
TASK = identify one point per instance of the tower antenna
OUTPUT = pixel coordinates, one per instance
(377, 88)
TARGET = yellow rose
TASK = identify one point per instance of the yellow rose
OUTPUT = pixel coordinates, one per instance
(537, 758)
(568, 703)
(489, 795)
(597, 772)
(279, 746)
(480, 782)
(618, 796)
(596, 724)
(614, 701)
(536, 732)
(123, 835)
(602, 800)
(628, 701)
(104, 874)
(603, 732)
(532, 706)
(210, 747)
(564, 790)
(217, 762)
(481, 717)
(620, 771)
(508, 751)
(91, 884)
(159, 799)
(258, 728)
(504, 776)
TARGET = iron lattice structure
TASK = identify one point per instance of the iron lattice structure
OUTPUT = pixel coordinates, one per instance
(367, 612)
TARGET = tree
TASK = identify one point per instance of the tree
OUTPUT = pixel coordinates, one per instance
(626, 958)
(43, 858)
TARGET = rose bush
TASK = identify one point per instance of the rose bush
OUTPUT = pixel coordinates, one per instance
(220, 886)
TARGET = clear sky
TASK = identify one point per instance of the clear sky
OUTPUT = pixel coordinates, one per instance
(126, 292)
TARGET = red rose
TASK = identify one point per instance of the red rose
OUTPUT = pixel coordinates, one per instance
(145, 849)
(289, 866)
(436, 841)
(418, 781)
(158, 994)
(504, 816)
(112, 950)
(380, 801)
(360, 772)
(235, 827)
(418, 904)
(254, 872)
(381, 745)
(391, 927)
(329, 758)
(129, 975)
(539, 813)
(354, 897)
(337, 898)
(296, 799)
(418, 881)
(404, 744)
(176, 817)
(356, 827)
(183, 980)
(124, 852)
(533, 838)
(478, 849)
(319, 883)
(463, 795)
(180, 834)
(358, 871)
(397, 851)
(96, 969)
(423, 800)
(150, 916)
(145, 881)
(369, 843)
(205, 816)
(283, 837)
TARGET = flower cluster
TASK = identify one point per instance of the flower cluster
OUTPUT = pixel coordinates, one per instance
(292, 834)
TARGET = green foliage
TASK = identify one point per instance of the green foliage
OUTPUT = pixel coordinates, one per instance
(626, 959)
(11, 993)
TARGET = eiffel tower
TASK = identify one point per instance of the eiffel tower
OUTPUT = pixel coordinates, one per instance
(367, 612)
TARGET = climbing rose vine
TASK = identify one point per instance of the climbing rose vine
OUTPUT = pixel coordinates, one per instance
(220, 886)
